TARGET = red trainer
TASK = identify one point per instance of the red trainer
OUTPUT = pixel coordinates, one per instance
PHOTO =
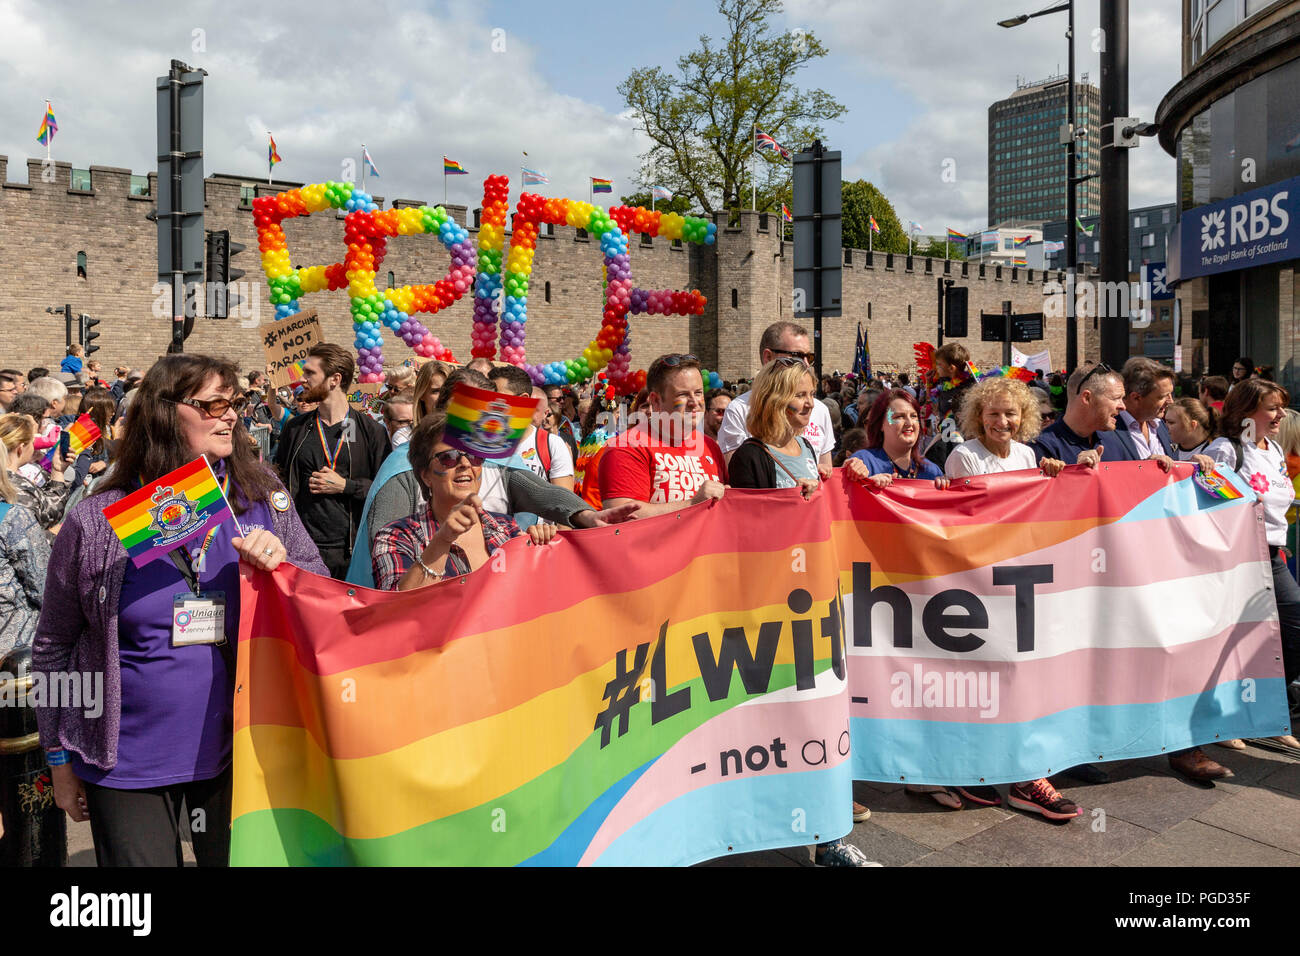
(1039, 796)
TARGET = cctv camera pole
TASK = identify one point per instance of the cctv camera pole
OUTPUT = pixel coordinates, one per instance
(1071, 217)
(1114, 175)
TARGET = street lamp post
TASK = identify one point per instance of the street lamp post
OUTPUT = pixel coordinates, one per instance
(1072, 182)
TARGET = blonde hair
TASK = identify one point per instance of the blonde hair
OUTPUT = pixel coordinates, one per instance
(424, 385)
(1289, 436)
(972, 408)
(16, 430)
(774, 388)
(400, 378)
(7, 491)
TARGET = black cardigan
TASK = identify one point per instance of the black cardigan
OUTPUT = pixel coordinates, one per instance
(752, 467)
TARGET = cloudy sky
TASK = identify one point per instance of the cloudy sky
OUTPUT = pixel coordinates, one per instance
(482, 82)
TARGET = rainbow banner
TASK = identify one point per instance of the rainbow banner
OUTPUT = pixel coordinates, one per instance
(82, 434)
(486, 423)
(165, 514)
(698, 685)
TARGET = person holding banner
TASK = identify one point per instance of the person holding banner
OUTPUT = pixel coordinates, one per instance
(161, 734)
(893, 427)
(453, 534)
(1247, 444)
(1000, 415)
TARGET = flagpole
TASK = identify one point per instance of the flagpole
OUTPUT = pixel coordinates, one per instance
(363, 167)
(753, 168)
(269, 165)
(49, 137)
(444, 181)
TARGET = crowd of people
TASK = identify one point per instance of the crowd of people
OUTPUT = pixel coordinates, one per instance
(386, 502)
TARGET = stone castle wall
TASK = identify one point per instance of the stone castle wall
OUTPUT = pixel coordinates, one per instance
(44, 225)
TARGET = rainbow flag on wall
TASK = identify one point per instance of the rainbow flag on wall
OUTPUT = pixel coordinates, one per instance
(1021, 241)
(1019, 261)
(641, 744)
(272, 155)
(165, 514)
(82, 434)
(49, 126)
(602, 185)
(486, 423)
(452, 168)
(785, 213)
(874, 225)
(955, 236)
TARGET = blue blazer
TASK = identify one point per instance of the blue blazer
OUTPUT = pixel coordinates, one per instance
(1120, 446)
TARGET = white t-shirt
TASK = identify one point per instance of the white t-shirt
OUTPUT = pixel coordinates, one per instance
(972, 458)
(732, 432)
(561, 460)
(1265, 471)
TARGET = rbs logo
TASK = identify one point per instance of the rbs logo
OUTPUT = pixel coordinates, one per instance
(1246, 222)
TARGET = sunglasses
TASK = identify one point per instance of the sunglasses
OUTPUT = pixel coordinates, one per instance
(212, 407)
(789, 361)
(806, 357)
(451, 458)
(676, 358)
(1101, 368)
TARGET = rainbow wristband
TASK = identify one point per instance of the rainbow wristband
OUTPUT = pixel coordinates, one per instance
(57, 758)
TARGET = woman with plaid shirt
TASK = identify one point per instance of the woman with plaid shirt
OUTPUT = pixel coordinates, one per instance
(453, 535)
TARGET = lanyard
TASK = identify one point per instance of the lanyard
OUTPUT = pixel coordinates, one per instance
(330, 460)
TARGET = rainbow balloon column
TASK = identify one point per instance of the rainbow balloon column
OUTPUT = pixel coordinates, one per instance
(487, 287)
(367, 230)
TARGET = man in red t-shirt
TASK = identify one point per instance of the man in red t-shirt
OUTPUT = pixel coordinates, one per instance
(666, 462)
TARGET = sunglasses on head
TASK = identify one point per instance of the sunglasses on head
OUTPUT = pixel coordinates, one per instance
(451, 458)
(677, 358)
(806, 357)
(1101, 368)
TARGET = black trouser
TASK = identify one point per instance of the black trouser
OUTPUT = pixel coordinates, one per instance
(142, 827)
(336, 560)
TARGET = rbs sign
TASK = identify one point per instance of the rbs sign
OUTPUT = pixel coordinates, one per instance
(1252, 229)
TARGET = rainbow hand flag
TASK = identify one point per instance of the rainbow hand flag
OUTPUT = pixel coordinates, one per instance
(82, 435)
(165, 514)
(1216, 485)
(452, 168)
(602, 185)
(486, 423)
(45, 135)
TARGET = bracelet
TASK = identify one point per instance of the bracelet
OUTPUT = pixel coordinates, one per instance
(57, 758)
(428, 571)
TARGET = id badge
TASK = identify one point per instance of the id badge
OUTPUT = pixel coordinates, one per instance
(199, 620)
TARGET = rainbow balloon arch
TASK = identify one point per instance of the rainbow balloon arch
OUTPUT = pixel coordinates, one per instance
(498, 275)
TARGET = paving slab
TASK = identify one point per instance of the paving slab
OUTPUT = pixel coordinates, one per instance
(1192, 843)
(955, 855)
(921, 820)
(1285, 778)
(885, 846)
(1148, 798)
(1259, 814)
(1023, 840)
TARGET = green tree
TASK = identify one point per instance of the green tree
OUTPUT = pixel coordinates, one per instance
(935, 249)
(861, 200)
(701, 121)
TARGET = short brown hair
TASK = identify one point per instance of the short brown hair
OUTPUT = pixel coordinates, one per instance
(1216, 386)
(335, 360)
(774, 333)
(666, 365)
(401, 398)
(1243, 401)
(424, 436)
(1141, 375)
(954, 353)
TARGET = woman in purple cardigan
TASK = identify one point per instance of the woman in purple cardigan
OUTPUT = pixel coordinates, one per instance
(152, 727)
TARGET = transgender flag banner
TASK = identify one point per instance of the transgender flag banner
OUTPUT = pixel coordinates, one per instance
(1014, 626)
(710, 682)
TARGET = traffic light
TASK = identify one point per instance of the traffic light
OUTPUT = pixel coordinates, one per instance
(955, 304)
(219, 274)
(88, 334)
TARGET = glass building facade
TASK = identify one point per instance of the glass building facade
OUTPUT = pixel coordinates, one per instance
(1027, 162)
(1233, 125)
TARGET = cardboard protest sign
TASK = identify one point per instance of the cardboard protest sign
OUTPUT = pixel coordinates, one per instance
(364, 397)
(287, 342)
